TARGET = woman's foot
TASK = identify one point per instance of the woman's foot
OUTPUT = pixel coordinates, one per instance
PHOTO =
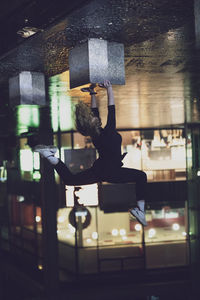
(139, 215)
(47, 152)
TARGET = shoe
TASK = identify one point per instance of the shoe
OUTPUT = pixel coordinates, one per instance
(139, 215)
(45, 150)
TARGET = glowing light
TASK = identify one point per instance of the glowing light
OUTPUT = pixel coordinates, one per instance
(184, 233)
(138, 227)
(124, 238)
(81, 213)
(36, 160)
(61, 219)
(152, 232)
(3, 174)
(122, 232)
(175, 226)
(40, 267)
(26, 160)
(36, 175)
(115, 232)
(54, 111)
(71, 228)
(27, 116)
(66, 123)
(171, 215)
(88, 195)
(95, 235)
(88, 241)
(20, 198)
(37, 219)
(61, 105)
(198, 173)
(69, 196)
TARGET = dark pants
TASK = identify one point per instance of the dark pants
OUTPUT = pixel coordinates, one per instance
(111, 175)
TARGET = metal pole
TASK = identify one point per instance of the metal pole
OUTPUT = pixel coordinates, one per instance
(49, 215)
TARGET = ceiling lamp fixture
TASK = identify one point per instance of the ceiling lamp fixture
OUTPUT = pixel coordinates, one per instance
(26, 31)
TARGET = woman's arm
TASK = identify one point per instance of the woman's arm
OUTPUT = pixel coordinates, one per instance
(111, 121)
(108, 86)
(93, 101)
(111, 100)
(94, 105)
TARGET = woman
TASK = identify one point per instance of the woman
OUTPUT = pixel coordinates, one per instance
(107, 141)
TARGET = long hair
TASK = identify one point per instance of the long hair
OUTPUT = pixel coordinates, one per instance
(84, 120)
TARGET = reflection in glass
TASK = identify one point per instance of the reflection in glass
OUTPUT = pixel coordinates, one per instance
(166, 224)
(27, 117)
(29, 162)
(160, 153)
(61, 105)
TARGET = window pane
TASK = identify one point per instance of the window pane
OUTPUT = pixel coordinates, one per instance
(163, 155)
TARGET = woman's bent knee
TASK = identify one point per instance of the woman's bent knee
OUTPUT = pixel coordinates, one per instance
(143, 176)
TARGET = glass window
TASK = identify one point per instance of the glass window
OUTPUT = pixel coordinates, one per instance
(65, 230)
(28, 116)
(166, 224)
(163, 156)
(113, 228)
(25, 229)
(159, 153)
(166, 236)
(81, 141)
(29, 162)
(66, 143)
(87, 195)
(60, 103)
(131, 143)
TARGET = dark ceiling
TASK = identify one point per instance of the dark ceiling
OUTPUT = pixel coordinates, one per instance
(17, 14)
(129, 22)
(161, 61)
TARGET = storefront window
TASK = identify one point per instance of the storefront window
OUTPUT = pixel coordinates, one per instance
(113, 239)
(65, 230)
(159, 153)
(28, 116)
(26, 223)
(166, 224)
(166, 237)
(29, 162)
(60, 103)
(66, 143)
(81, 141)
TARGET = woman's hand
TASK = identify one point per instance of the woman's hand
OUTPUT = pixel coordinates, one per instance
(106, 84)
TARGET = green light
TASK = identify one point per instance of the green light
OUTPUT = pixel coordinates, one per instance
(36, 175)
(61, 104)
(26, 160)
(54, 112)
(65, 112)
(27, 116)
(36, 161)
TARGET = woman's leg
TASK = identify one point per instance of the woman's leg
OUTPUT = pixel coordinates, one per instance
(126, 175)
(86, 177)
(82, 178)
